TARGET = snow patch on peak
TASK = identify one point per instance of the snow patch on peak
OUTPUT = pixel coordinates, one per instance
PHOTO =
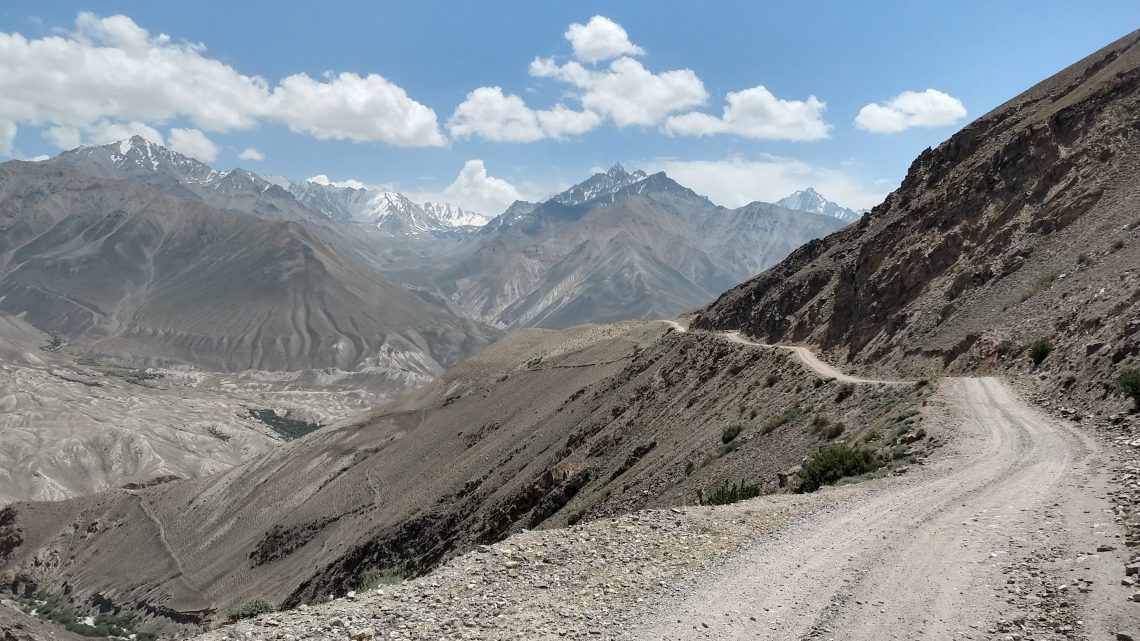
(388, 211)
(812, 201)
(600, 186)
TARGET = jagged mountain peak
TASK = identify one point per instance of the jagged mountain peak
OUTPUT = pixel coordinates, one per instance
(599, 186)
(389, 211)
(811, 201)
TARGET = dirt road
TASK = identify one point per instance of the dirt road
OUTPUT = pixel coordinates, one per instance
(939, 554)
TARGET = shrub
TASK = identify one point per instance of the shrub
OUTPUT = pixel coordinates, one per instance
(730, 433)
(824, 428)
(771, 380)
(844, 392)
(1009, 348)
(1039, 350)
(922, 382)
(250, 609)
(690, 467)
(574, 517)
(376, 577)
(1129, 383)
(1083, 259)
(834, 463)
(1068, 378)
(817, 383)
(1134, 224)
(786, 416)
(1116, 246)
(726, 494)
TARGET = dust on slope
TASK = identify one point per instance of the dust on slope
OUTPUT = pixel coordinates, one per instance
(543, 428)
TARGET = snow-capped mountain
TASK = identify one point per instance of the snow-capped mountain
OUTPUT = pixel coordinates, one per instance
(600, 186)
(389, 211)
(138, 157)
(810, 200)
(392, 213)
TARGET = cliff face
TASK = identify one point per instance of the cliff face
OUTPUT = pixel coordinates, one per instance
(1022, 225)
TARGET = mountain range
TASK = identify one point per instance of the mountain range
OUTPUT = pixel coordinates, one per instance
(1020, 229)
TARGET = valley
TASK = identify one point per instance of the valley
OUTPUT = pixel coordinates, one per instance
(665, 402)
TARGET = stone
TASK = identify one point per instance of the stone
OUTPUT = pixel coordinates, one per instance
(1097, 347)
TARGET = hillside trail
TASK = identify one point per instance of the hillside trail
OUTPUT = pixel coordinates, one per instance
(1014, 501)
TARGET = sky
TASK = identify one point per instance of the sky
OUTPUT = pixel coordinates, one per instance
(482, 103)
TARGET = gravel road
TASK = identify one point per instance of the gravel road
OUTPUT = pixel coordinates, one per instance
(975, 546)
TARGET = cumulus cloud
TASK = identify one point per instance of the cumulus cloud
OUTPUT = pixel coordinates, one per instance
(930, 108)
(624, 92)
(105, 132)
(627, 93)
(249, 153)
(352, 107)
(600, 39)
(734, 182)
(63, 137)
(473, 189)
(350, 183)
(112, 70)
(490, 114)
(756, 113)
(7, 137)
(193, 143)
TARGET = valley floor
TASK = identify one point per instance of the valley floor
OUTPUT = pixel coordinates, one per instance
(1007, 533)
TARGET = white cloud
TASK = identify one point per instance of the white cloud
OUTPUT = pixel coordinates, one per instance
(756, 113)
(930, 108)
(351, 107)
(350, 183)
(105, 132)
(110, 70)
(193, 143)
(64, 137)
(733, 182)
(7, 137)
(627, 92)
(249, 153)
(39, 158)
(473, 189)
(600, 39)
(492, 115)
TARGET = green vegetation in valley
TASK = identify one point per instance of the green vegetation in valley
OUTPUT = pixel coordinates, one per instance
(51, 608)
(287, 427)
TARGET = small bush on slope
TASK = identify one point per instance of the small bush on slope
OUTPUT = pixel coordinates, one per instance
(1040, 350)
(1129, 383)
(834, 463)
(726, 494)
(250, 609)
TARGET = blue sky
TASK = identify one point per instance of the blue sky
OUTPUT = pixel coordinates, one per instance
(402, 95)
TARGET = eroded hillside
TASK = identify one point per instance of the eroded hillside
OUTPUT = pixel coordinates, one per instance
(543, 428)
(1024, 225)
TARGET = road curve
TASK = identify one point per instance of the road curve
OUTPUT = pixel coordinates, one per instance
(922, 557)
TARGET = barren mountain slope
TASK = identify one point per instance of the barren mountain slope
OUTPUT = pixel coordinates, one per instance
(609, 249)
(542, 428)
(1025, 224)
(120, 269)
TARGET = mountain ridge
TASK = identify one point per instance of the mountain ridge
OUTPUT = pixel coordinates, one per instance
(810, 200)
